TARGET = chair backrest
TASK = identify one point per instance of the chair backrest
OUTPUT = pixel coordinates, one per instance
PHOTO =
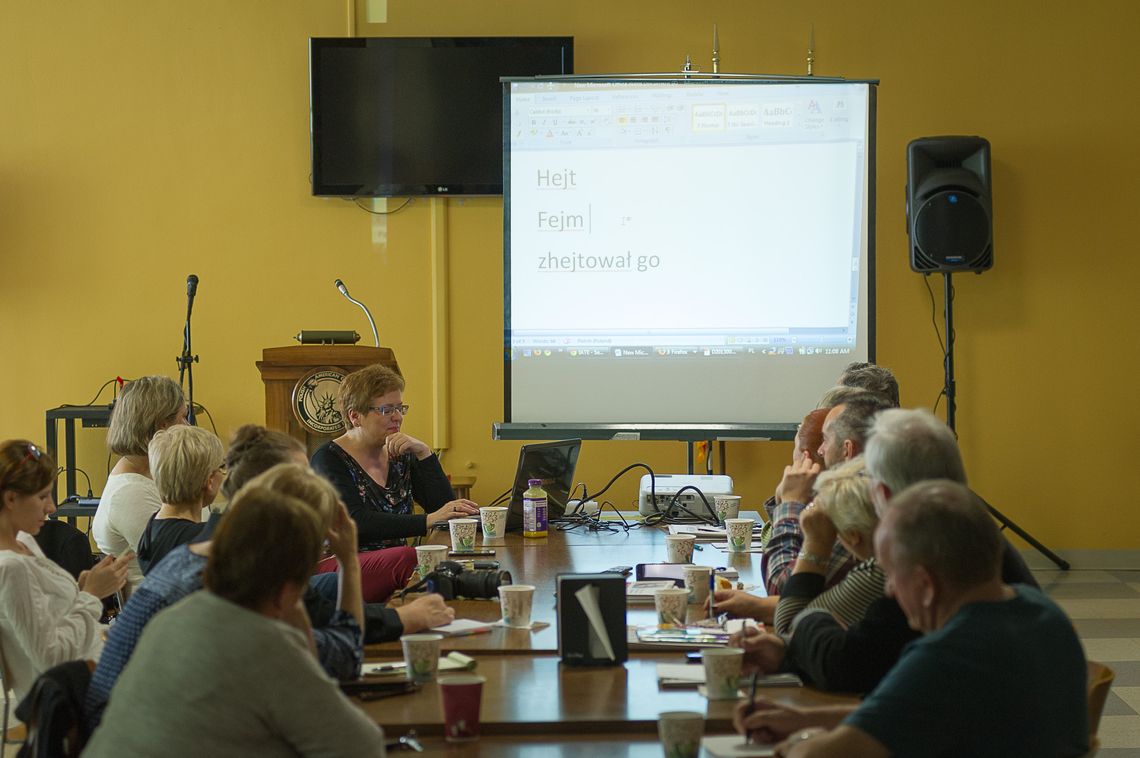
(1100, 681)
(53, 712)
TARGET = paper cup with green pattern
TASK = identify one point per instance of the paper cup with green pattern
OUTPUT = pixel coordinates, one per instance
(680, 733)
(428, 557)
(679, 548)
(462, 534)
(697, 583)
(722, 671)
(494, 518)
(726, 507)
(421, 655)
(516, 600)
(739, 532)
(670, 604)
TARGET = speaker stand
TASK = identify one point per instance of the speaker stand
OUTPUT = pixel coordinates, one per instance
(948, 389)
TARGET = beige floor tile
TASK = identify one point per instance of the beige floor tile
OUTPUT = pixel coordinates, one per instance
(1119, 731)
(1092, 576)
(1108, 650)
(1100, 608)
(1130, 695)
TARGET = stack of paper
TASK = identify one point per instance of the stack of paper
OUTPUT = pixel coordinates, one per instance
(642, 592)
(690, 675)
(702, 532)
(454, 661)
(734, 746)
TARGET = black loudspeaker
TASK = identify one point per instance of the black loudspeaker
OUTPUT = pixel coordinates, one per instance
(949, 210)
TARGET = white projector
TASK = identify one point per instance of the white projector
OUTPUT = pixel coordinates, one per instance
(666, 487)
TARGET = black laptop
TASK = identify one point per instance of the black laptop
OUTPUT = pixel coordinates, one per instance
(554, 464)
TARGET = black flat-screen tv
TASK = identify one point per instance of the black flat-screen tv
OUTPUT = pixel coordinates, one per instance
(411, 116)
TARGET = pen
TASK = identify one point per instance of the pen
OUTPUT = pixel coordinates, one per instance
(712, 591)
(751, 704)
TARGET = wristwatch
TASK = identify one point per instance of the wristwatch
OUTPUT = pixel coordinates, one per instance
(813, 559)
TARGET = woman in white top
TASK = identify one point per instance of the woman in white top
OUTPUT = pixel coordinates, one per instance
(130, 497)
(46, 618)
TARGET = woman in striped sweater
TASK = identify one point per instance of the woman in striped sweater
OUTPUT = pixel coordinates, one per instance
(842, 510)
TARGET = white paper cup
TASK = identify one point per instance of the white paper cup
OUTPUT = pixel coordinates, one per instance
(421, 655)
(697, 583)
(428, 557)
(680, 733)
(722, 671)
(670, 603)
(494, 520)
(462, 534)
(679, 548)
(516, 600)
(739, 531)
(726, 507)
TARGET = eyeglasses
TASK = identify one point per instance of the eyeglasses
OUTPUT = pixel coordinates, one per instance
(388, 410)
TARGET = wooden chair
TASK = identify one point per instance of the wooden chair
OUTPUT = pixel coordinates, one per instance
(1100, 682)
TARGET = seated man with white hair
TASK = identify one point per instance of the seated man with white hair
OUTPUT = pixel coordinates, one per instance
(998, 672)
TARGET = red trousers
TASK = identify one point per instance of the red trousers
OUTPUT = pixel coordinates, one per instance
(382, 572)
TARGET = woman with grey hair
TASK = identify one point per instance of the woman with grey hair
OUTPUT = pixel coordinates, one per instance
(145, 406)
(842, 510)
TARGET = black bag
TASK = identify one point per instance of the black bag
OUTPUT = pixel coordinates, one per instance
(53, 712)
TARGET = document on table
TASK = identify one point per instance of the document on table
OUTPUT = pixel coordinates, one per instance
(461, 627)
(734, 746)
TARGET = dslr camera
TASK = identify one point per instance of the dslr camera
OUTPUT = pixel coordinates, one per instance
(452, 581)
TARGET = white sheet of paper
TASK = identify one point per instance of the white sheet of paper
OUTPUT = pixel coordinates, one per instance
(734, 746)
(461, 625)
(588, 597)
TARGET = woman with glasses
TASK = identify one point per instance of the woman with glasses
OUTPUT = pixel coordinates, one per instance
(379, 470)
(46, 617)
(145, 406)
(187, 463)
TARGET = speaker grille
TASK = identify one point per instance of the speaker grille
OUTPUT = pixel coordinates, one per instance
(952, 232)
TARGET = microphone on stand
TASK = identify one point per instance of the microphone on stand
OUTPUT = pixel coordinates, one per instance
(344, 291)
(187, 359)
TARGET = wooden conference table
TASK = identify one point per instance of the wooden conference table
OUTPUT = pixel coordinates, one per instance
(531, 703)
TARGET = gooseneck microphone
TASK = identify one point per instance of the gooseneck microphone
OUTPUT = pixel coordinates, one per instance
(344, 291)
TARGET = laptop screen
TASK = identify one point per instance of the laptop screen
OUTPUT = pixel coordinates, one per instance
(554, 464)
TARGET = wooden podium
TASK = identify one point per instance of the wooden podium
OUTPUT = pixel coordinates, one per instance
(282, 368)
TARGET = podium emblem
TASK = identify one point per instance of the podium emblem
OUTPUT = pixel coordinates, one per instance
(314, 400)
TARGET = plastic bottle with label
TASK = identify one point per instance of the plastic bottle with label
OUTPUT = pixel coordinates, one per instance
(534, 510)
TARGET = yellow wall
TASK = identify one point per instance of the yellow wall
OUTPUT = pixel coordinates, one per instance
(142, 140)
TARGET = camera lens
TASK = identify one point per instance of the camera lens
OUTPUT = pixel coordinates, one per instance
(483, 583)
